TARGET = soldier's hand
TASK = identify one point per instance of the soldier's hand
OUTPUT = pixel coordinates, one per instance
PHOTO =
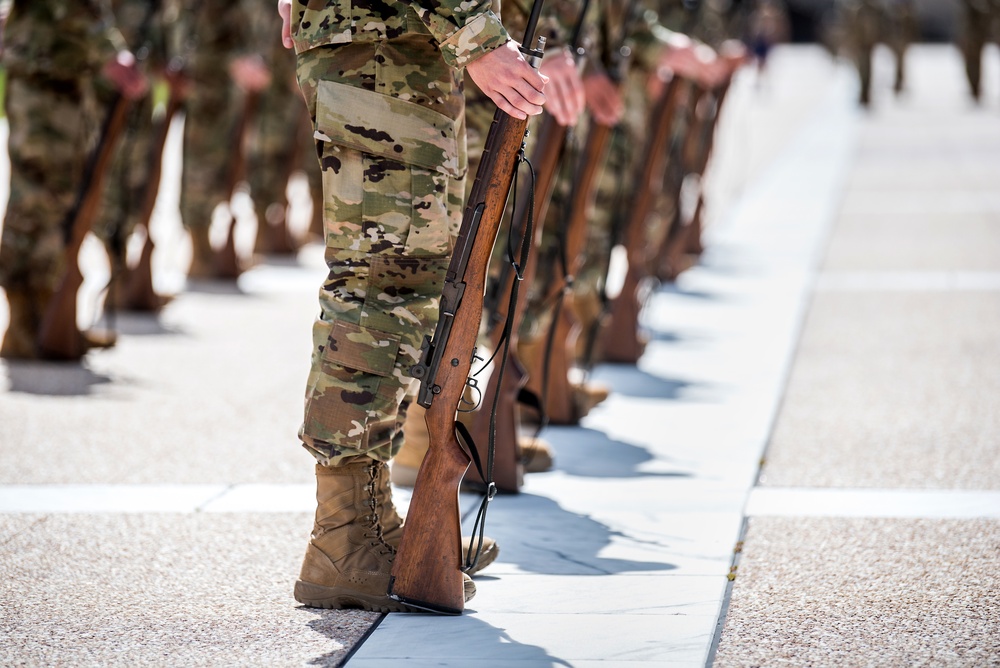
(604, 99)
(124, 74)
(285, 11)
(564, 95)
(507, 78)
(250, 73)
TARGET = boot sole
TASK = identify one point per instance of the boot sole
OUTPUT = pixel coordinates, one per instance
(339, 598)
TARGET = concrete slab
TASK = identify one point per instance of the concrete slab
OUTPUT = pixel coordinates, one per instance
(892, 389)
(156, 589)
(864, 592)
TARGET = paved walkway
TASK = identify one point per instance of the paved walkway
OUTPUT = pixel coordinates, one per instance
(154, 502)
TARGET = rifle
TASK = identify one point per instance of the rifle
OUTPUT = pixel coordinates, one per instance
(503, 390)
(621, 338)
(139, 293)
(226, 261)
(427, 571)
(685, 233)
(59, 336)
(549, 369)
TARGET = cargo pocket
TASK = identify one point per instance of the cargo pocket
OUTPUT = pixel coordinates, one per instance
(403, 296)
(408, 155)
(357, 387)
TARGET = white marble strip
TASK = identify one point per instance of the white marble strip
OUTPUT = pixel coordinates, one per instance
(107, 498)
(905, 281)
(180, 498)
(888, 503)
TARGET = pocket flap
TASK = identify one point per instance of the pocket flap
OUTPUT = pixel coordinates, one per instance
(357, 347)
(388, 126)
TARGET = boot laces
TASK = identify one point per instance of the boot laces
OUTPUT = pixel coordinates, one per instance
(375, 524)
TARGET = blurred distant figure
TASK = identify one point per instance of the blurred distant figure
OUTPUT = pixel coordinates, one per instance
(980, 25)
(865, 23)
(767, 25)
(55, 53)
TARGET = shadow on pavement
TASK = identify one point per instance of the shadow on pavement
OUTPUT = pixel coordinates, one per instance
(540, 536)
(630, 381)
(58, 379)
(590, 453)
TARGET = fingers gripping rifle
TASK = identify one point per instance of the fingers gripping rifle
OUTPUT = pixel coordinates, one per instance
(427, 572)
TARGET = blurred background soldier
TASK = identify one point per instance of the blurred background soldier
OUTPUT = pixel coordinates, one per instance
(280, 140)
(54, 51)
(980, 25)
(141, 23)
(865, 24)
(225, 76)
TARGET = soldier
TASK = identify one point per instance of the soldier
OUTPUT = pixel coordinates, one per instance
(980, 25)
(280, 139)
(225, 77)
(54, 51)
(383, 86)
(865, 23)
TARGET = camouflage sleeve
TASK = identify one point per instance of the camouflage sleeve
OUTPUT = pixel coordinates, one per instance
(465, 29)
(650, 38)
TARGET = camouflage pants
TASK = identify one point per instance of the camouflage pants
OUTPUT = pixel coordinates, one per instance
(281, 140)
(210, 114)
(391, 140)
(53, 124)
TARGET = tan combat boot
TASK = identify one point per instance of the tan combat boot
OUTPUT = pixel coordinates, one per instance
(536, 454)
(347, 562)
(587, 395)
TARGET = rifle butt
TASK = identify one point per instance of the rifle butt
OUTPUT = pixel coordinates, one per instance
(226, 261)
(59, 337)
(508, 469)
(621, 340)
(427, 571)
(139, 294)
(558, 398)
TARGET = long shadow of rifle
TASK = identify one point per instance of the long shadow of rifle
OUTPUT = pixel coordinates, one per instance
(633, 382)
(540, 536)
(589, 453)
(486, 638)
(57, 379)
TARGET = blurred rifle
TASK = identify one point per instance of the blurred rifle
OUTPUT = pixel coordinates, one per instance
(59, 336)
(549, 368)
(621, 339)
(227, 262)
(503, 393)
(138, 293)
(427, 571)
(684, 236)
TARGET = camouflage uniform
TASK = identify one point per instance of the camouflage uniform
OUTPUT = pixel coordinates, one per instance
(215, 35)
(646, 39)
(868, 22)
(53, 52)
(280, 140)
(140, 22)
(384, 90)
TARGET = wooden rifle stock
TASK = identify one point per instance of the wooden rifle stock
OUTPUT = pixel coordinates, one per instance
(227, 262)
(685, 234)
(509, 471)
(59, 337)
(139, 294)
(427, 570)
(621, 339)
(558, 397)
